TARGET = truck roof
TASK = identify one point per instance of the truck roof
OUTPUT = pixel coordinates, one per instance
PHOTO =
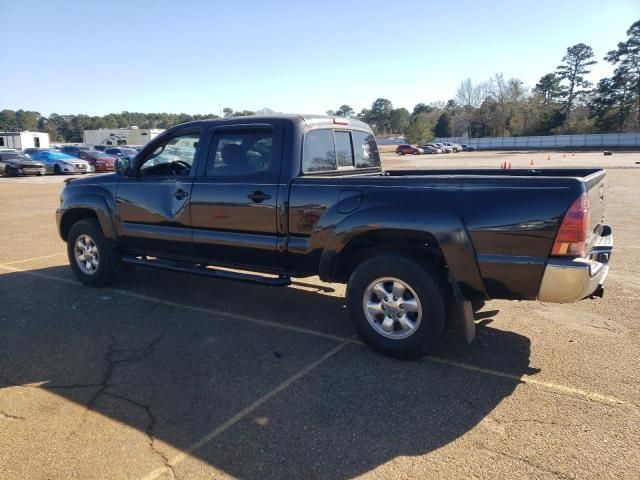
(310, 120)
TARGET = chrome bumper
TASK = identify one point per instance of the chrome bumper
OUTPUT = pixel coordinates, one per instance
(567, 280)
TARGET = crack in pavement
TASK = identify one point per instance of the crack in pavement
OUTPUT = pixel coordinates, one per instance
(9, 416)
(148, 429)
(526, 461)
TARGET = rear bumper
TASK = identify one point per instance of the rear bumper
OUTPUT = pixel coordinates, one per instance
(567, 280)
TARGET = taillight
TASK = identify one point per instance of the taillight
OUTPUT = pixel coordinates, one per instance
(572, 235)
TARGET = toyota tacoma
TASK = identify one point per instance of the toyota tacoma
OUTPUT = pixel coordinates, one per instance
(264, 199)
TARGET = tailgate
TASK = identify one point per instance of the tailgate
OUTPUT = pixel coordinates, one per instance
(596, 190)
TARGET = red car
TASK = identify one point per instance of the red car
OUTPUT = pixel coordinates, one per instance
(408, 150)
(101, 161)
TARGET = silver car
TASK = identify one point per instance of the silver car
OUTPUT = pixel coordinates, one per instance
(58, 162)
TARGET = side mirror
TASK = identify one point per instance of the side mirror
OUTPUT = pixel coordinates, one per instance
(122, 166)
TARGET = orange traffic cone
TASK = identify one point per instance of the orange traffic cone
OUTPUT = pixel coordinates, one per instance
(509, 166)
(531, 162)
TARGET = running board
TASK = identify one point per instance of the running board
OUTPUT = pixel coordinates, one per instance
(280, 281)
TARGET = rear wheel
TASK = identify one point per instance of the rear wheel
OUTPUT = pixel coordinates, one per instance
(397, 306)
(9, 171)
(92, 259)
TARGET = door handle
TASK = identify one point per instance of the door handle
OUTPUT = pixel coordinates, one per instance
(181, 194)
(258, 197)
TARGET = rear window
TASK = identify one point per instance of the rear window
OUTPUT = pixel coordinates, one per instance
(328, 150)
(344, 154)
(365, 150)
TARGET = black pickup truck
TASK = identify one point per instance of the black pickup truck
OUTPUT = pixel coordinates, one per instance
(264, 199)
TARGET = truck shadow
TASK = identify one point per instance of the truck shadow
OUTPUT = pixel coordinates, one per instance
(179, 373)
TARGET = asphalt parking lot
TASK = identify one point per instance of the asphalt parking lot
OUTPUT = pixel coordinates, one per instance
(168, 375)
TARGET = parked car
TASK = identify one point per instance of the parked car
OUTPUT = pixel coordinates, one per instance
(430, 149)
(101, 148)
(455, 148)
(413, 246)
(444, 148)
(101, 161)
(58, 162)
(121, 152)
(468, 148)
(435, 147)
(30, 151)
(408, 150)
(13, 163)
(74, 150)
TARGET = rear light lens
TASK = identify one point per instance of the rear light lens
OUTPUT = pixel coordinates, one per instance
(572, 235)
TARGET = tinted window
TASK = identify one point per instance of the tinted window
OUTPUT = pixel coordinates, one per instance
(319, 152)
(240, 153)
(344, 155)
(1, 141)
(365, 150)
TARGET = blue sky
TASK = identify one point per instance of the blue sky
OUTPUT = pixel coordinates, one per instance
(196, 56)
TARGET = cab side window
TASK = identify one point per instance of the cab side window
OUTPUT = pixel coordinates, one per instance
(241, 153)
(319, 151)
(173, 157)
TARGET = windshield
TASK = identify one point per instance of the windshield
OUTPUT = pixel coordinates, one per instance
(53, 155)
(14, 156)
(98, 154)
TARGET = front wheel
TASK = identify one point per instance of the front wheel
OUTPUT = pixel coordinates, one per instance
(57, 170)
(397, 306)
(91, 257)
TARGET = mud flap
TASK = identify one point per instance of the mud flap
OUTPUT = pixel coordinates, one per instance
(463, 311)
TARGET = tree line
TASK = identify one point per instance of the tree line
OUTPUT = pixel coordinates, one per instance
(562, 102)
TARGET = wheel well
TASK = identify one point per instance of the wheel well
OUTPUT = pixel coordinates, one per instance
(73, 216)
(418, 246)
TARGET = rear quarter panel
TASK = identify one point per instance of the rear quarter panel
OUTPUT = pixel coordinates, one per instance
(511, 222)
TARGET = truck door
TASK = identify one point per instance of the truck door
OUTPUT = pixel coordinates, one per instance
(152, 206)
(234, 199)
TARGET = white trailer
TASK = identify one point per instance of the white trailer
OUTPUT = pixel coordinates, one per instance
(22, 140)
(120, 136)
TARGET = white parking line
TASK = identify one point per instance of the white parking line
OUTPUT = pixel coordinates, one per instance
(211, 311)
(33, 259)
(243, 413)
(594, 396)
(597, 397)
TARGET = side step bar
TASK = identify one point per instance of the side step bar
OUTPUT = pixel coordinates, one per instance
(280, 281)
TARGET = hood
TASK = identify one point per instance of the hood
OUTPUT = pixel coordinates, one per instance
(94, 180)
(23, 162)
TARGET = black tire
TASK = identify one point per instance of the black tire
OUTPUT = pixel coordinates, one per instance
(429, 288)
(57, 170)
(9, 171)
(106, 271)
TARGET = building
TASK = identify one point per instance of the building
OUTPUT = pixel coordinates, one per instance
(120, 136)
(22, 140)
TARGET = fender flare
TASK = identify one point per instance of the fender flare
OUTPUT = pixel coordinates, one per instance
(95, 202)
(448, 229)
